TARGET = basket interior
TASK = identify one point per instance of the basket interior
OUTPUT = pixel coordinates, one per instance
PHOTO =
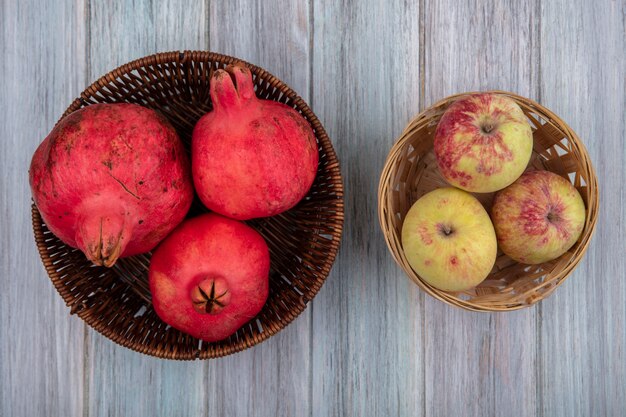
(303, 241)
(412, 172)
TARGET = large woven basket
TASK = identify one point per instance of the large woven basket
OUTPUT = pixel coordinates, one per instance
(303, 242)
(411, 171)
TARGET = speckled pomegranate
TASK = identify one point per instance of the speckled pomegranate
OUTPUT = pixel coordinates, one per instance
(210, 276)
(251, 157)
(111, 180)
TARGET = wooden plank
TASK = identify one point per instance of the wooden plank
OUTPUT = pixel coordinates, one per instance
(367, 319)
(272, 34)
(270, 379)
(122, 382)
(479, 363)
(371, 343)
(121, 31)
(41, 346)
(583, 333)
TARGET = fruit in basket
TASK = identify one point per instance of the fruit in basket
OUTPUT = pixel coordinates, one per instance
(210, 276)
(448, 239)
(250, 157)
(538, 218)
(483, 142)
(111, 180)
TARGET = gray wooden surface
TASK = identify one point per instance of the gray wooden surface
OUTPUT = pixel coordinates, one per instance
(370, 343)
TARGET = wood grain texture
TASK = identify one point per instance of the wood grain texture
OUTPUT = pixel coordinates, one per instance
(41, 347)
(582, 363)
(479, 363)
(272, 34)
(367, 319)
(122, 382)
(273, 378)
(370, 343)
(120, 31)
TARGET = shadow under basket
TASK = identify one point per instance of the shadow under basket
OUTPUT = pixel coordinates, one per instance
(411, 171)
(303, 241)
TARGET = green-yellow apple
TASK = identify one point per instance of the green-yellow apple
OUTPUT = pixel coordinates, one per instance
(448, 239)
(483, 142)
(538, 218)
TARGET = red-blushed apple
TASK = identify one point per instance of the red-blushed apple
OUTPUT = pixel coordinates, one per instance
(483, 142)
(538, 218)
(448, 239)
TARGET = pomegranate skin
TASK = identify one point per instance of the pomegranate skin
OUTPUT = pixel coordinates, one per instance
(210, 276)
(111, 180)
(250, 157)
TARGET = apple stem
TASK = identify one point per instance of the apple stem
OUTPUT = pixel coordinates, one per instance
(445, 230)
(487, 128)
(552, 217)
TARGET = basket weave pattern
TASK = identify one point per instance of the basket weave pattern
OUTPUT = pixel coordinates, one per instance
(303, 241)
(411, 171)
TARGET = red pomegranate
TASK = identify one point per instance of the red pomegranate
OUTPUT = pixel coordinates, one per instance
(250, 157)
(111, 180)
(210, 276)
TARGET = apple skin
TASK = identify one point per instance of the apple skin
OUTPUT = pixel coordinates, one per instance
(538, 218)
(448, 239)
(483, 142)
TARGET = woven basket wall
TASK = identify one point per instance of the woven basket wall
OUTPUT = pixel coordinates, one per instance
(411, 171)
(303, 241)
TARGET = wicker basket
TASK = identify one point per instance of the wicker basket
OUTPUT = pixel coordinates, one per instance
(411, 171)
(303, 242)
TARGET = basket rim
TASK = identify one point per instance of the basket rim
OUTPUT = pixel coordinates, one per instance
(384, 188)
(332, 167)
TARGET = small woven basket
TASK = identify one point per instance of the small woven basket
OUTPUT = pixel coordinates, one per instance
(411, 171)
(303, 241)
